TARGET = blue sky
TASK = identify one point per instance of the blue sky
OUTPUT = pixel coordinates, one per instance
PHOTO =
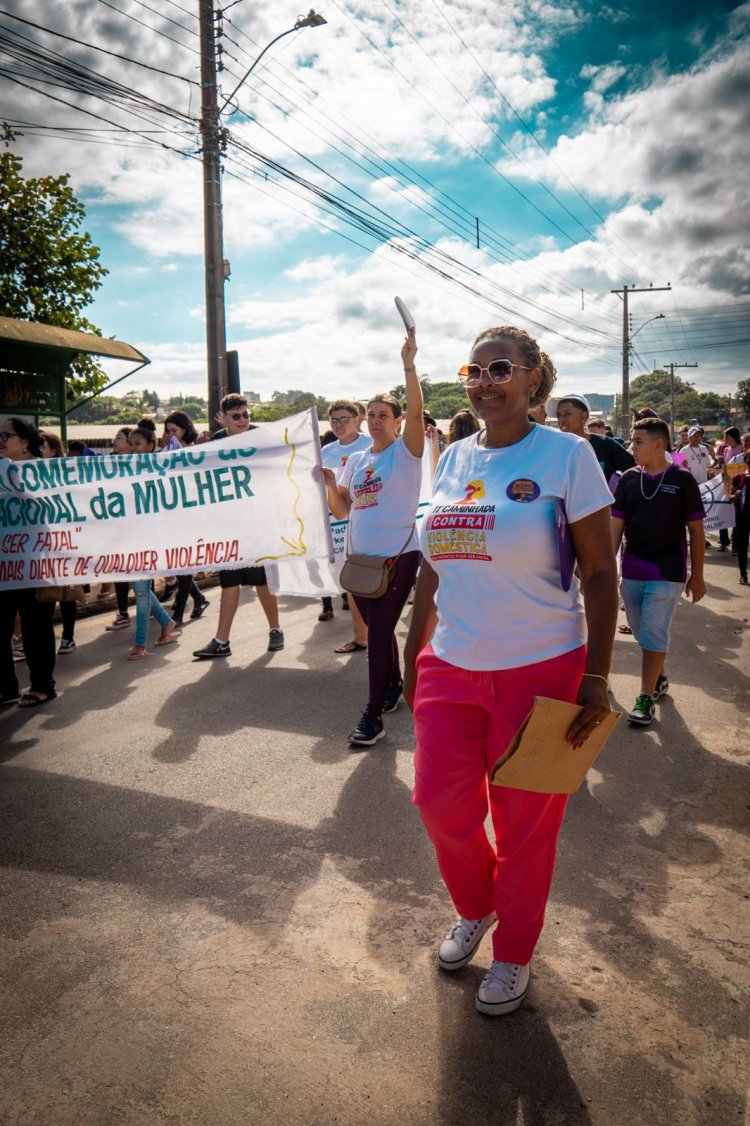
(423, 114)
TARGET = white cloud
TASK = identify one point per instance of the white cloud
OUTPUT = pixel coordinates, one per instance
(670, 160)
(675, 152)
(602, 77)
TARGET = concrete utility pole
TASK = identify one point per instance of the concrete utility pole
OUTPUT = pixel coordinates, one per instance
(213, 143)
(625, 403)
(211, 136)
(671, 390)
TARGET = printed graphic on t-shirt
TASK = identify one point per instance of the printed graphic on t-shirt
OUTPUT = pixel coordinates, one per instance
(474, 492)
(459, 531)
(367, 489)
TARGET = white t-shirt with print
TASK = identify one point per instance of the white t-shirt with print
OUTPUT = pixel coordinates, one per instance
(490, 532)
(697, 460)
(384, 488)
(335, 455)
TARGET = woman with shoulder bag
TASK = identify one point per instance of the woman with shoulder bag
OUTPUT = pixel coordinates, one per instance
(20, 441)
(379, 492)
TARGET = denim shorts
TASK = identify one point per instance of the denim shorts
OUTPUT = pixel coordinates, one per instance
(650, 608)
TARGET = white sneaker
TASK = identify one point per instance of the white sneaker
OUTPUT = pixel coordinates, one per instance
(503, 988)
(462, 941)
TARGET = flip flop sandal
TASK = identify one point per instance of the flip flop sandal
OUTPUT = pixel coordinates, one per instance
(350, 647)
(169, 637)
(624, 629)
(137, 653)
(32, 700)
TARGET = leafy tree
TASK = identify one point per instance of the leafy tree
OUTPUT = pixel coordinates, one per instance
(444, 398)
(291, 396)
(742, 395)
(99, 409)
(428, 389)
(196, 409)
(272, 412)
(49, 267)
(653, 390)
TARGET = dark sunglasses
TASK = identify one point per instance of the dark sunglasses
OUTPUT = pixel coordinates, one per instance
(6, 434)
(239, 415)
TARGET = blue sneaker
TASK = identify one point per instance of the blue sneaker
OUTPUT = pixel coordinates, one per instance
(368, 731)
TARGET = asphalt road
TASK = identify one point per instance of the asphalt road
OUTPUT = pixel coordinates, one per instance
(212, 912)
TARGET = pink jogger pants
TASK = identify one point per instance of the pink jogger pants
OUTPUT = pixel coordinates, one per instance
(464, 721)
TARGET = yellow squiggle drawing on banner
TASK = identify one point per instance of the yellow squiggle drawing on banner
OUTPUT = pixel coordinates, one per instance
(297, 546)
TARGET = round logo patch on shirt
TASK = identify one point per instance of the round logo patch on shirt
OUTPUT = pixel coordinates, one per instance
(523, 490)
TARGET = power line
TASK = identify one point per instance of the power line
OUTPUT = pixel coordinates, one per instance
(533, 135)
(162, 16)
(477, 152)
(473, 296)
(468, 222)
(392, 231)
(135, 19)
(95, 47)
(402, 230)
(54, 69)
(90, 113)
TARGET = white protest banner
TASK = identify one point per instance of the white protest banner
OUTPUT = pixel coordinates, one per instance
(315, 578)
(251, 499)
(718, 507)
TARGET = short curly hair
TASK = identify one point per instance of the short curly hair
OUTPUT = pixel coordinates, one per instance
(531, 352)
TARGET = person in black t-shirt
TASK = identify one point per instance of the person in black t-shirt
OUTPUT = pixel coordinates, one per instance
(572, 414)
(654, 503)
(235, 415)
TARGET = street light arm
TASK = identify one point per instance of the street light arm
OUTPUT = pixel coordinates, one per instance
(658, 317)
(247, 74)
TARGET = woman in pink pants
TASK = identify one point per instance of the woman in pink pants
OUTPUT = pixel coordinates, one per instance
(498, 619)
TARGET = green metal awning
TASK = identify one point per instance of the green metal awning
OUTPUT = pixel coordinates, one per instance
(40, 349)
(35, 361)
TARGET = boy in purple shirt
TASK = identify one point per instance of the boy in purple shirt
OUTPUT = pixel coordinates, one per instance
(654, 503)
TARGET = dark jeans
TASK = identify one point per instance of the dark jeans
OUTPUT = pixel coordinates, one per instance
(382, 615)
(186, 588)
(38, 641)
(68, 615)
(121, 593)
(741, 538)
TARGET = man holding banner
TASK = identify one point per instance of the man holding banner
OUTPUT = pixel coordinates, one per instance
(234, 417)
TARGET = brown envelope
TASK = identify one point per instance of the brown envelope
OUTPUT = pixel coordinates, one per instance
(540, 759)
